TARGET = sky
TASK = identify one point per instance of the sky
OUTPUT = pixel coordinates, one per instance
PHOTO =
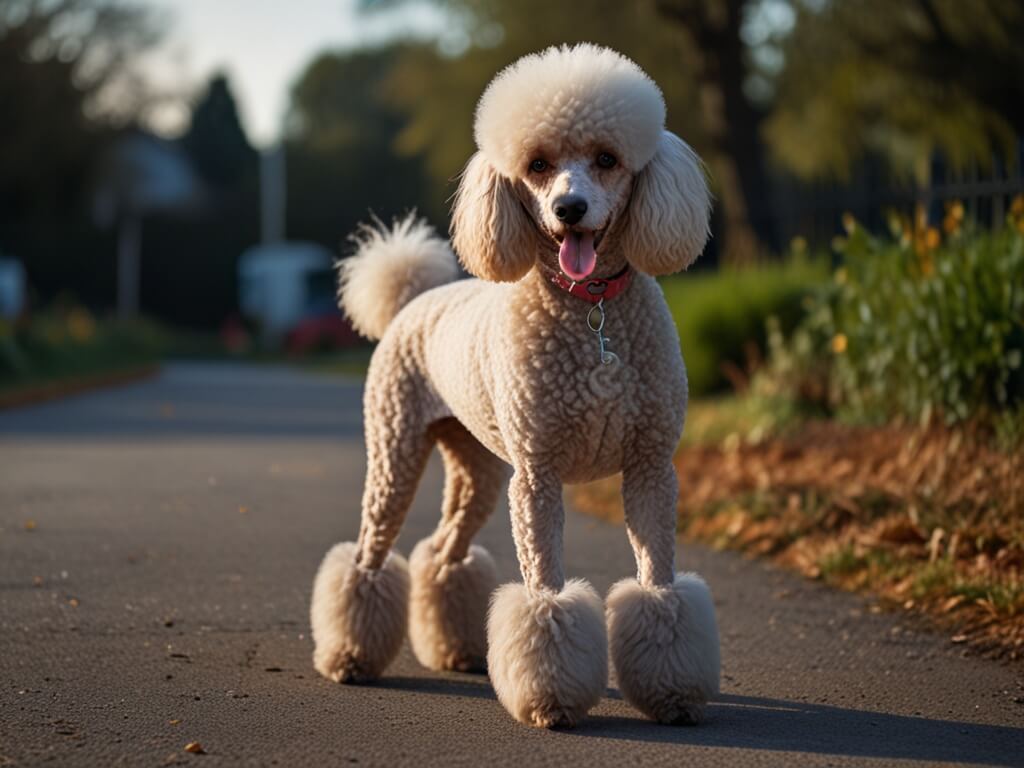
(262, 45)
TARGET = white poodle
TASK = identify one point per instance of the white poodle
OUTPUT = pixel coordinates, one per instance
(561, 361)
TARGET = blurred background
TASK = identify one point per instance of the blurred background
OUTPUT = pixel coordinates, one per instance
(199, 163)
(177, 178)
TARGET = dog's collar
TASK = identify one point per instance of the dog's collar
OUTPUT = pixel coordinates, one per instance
(606, 288)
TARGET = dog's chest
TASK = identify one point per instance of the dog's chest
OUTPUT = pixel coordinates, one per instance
(583, 407)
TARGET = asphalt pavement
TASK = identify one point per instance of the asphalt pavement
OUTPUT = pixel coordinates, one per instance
(158, 542)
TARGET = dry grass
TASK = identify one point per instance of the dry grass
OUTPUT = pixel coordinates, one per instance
(930, 520)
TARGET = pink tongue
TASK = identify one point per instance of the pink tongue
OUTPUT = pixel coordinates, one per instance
(576, 257)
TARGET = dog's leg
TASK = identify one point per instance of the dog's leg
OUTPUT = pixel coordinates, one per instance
(662, 631)
(547, 648)
(452, 580)
(360, 603)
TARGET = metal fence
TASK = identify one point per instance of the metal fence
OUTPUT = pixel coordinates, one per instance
(815, 211)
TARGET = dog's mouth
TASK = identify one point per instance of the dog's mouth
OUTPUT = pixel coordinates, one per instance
(577, 251)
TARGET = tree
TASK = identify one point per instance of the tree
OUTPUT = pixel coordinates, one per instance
(899, 80)
(340, 149)
(215, 139)
(61, 64)
(698, 61)
(731, 120)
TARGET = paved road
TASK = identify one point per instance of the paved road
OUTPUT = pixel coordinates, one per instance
(162, 598)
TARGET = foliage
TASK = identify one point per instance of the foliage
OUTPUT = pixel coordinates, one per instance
(68, 341)
(438, 93)
(721, 316)
(216, 140)
(340, 155)
(915, 327)
(873, 76)
(66, 84)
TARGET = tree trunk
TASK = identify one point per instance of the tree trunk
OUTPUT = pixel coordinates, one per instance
(732, 124)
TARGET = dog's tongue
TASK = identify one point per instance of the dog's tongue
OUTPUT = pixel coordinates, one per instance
(576, 257)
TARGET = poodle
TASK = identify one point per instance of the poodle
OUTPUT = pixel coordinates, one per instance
(562, 362)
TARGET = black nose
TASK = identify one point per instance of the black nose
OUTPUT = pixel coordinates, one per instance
(570, 208)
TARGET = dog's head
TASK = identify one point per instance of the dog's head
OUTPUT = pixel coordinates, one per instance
(574, 167)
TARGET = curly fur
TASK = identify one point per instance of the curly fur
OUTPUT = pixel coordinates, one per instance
(490, 230)
(660, 239)
(390, 268)
(664, 645)
(548, 656)
(506, 370)
(569, 94)
(358, 615)
(448, 607)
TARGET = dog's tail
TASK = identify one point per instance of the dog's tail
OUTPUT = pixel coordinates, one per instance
(390, 268)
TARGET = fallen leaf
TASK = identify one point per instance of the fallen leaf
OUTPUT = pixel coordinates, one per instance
(952, 603)
(959, 638)
(195, 748)
(73, 602)
(175, 721)
(30, 525)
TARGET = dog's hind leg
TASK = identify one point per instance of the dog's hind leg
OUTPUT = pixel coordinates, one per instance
(452, 579)
(360, 604)
(547, 647)
(662, 631)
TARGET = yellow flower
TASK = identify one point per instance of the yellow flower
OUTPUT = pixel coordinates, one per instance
(839, 343)
(81, 326)
(920, 217)
(1017, 206)
(927, 265)
(932, 238)
(849, 223)
(956, 210)
(840, 276)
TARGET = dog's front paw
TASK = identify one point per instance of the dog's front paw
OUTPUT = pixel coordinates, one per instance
(448, 609)
(548, 653)
(359, 616)
(664, 645)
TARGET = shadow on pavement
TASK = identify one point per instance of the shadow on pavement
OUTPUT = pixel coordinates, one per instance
(438, 685)
(748, 722)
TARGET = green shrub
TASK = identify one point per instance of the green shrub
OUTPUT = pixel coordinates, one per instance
(721, 315)
(915, 327)
(67, 342)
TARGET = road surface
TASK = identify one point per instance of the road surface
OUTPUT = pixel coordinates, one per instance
(157, 547)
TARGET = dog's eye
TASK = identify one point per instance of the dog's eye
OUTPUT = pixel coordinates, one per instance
(606, 160)
(539, 166)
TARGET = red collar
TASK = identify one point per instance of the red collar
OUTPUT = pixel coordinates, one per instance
(593, 290)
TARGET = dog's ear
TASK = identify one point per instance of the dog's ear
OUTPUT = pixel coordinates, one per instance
(666, 223)
(491, 231)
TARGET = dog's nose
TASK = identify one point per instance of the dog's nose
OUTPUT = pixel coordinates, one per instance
(570, 209)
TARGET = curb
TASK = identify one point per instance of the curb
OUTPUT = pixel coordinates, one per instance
(55, 390)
